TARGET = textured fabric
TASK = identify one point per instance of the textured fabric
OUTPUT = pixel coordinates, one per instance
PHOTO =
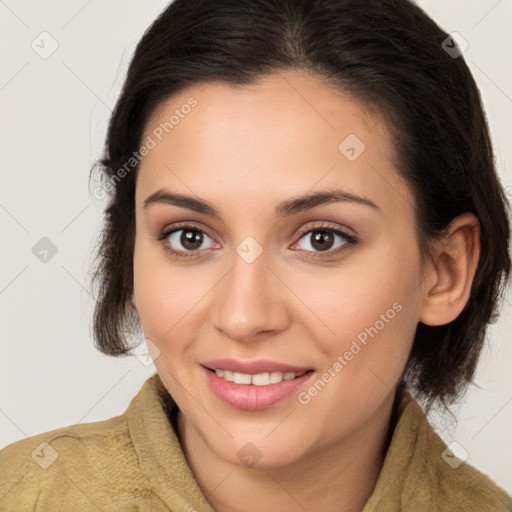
(134, 462)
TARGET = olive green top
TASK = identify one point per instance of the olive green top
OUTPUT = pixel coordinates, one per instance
(134, 462)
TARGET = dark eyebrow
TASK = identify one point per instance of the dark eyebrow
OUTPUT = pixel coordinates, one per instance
(288, 207)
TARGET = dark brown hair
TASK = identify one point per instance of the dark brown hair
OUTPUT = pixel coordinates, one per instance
(388, 54)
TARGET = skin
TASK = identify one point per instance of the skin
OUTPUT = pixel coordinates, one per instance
(244, 151)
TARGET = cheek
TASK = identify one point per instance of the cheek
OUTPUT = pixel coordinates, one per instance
(346, 300)
(169, 297)
(158, 293)
(368, 314)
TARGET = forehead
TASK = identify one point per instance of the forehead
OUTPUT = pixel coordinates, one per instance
(288, 104)
(283, 135)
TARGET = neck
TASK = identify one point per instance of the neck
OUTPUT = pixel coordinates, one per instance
(340, 477)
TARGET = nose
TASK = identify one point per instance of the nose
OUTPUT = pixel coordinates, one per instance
(250, 300)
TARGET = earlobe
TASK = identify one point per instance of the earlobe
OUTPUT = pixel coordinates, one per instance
(453, 273)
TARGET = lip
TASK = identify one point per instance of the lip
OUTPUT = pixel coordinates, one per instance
(251, 397)
(253, 367)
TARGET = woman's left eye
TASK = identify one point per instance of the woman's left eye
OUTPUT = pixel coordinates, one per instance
(323, 240)
(192, 239)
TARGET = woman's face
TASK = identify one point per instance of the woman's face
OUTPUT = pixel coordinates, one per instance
(270, 284)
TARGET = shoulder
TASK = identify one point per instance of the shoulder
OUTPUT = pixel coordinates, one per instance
(461, 486)
(421, 473)
(456, 484)
(70, 459)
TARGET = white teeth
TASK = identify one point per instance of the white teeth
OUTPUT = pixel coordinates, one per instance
(241, 378)
(258, 379)
(276, 377)
(261, 379)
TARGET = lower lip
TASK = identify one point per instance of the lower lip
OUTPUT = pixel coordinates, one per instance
(251, 397)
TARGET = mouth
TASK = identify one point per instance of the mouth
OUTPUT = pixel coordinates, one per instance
(254, 385)
(256, 379)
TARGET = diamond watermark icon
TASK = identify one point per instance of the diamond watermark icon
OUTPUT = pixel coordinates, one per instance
(146, 352)
(45, 455)
(44, 250)
(44, 45)
(455, 45)
(454, 454)
(249, 249)
(351, 147)
(249, 454)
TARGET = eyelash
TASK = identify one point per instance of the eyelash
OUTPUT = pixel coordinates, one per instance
(351, 241)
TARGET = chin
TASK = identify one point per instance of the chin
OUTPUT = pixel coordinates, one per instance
(259, 456)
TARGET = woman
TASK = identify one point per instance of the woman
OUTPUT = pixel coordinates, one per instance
(307, 228)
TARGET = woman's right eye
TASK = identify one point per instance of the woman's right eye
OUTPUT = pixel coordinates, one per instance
(190, 238)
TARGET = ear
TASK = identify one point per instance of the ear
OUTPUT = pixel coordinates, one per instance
(449, 286)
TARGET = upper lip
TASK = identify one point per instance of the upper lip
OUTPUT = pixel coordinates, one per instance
(253, 367)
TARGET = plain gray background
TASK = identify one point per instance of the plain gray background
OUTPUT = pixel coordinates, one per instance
(54, 112)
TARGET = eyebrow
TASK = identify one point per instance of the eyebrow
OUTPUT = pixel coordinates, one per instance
(283, 209)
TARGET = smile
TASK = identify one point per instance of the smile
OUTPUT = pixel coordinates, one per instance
(258, 379)
(254, 391)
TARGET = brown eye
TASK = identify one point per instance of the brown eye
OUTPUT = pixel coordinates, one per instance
(191, 239)
(322, 240)
(185, 239)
